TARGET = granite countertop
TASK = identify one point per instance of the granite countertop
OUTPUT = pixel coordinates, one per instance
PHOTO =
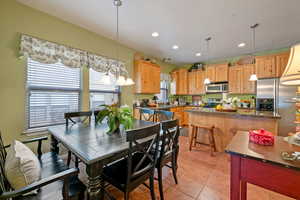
(162, 107)
(252, 113)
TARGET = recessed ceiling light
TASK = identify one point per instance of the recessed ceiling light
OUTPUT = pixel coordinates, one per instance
(155, 34)
(175, 47)
(198, 54)
(242, 44)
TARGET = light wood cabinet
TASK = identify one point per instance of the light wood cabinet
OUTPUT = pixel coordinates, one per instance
(192, 82)
(180, 76)
(200, 87)
(248, 87)
(221, 72)
(239, 82)
(147, 77)
(265, 66)
(235, 79)
(281, 62)
(210, 73)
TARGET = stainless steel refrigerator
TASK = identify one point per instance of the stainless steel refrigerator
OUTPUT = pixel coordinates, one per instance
(271, 88)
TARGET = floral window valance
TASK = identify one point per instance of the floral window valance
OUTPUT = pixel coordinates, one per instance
(49, 53)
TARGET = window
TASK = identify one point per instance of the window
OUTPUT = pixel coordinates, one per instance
(52, 90)
(102, 94)
(164, 91)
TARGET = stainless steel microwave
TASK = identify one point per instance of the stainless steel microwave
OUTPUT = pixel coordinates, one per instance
(216, 88)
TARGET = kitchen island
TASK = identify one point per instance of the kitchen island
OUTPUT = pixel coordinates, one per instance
(229, 123)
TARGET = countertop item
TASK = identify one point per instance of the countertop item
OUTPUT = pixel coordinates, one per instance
(241, 112)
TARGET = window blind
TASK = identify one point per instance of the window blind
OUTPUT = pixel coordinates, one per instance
(96, 82)
(53, 89)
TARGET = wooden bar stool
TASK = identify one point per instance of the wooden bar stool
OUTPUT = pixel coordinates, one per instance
(210, 130)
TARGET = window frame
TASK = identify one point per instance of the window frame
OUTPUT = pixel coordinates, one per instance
(28, 90)
(117, 91)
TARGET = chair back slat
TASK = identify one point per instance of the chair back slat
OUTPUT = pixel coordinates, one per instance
(70, 115)
(169, 138)
(147, 114)
(163, 115)
(143, 148)
(4, 185)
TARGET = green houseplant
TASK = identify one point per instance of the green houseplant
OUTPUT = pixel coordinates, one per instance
(115, 117)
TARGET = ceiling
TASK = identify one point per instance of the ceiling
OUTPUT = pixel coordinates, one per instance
(185, 23)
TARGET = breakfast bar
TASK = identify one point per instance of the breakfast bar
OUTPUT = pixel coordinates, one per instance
(228, 124)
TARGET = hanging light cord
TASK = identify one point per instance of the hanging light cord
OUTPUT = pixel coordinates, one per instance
(253, 27)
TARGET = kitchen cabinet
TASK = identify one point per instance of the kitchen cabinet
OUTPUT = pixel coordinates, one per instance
(221, 72)
(248, 87)
(210, 73)
(147, 77)
(265, 66)
(281, 62)
(192, 81)
(200, 87)
(180, 77)
(235, 79)
(239, 82)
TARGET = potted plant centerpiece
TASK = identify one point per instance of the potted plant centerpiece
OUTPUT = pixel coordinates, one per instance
(115, 117)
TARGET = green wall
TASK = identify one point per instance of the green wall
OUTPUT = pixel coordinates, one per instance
(15, 19)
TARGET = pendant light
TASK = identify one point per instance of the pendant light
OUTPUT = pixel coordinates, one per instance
(206, 80)
(121, 81)
(253, 77)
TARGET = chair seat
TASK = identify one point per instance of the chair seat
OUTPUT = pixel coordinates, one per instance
(52, 164)
(116, 173)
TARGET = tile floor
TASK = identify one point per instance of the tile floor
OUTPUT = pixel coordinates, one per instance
(200, 176)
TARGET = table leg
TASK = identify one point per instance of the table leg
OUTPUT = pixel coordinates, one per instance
(235, 178)
(54, 145)
(95, 182)
(243, 190)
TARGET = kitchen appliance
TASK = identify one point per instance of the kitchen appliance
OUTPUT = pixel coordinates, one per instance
(283, 104)
(265, 104)
(216, 88)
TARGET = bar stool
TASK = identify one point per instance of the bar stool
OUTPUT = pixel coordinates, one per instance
(210, 130)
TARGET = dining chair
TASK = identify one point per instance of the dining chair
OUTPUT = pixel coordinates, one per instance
(139, 164)
(70, 117)
(169, 148)
(57, 180)
(163, 115)
(147, 114)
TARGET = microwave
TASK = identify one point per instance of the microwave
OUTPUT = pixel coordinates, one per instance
(216, 88)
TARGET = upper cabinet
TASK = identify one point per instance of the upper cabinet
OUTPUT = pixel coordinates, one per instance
(210, 73)
(217, 72)
(248, 87)
(265, 66)
(221, 72)
(196, 82)
(147, 77)
(180, 77)
(281, 62)
(271, 66)
(239, 82)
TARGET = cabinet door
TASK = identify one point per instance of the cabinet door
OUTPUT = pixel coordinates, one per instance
(265, 66)
(222, 73)
(200, 88)
(248, 87)
(235, 80)
(154, 79)
(211, 73)
(281, 62)
(183, 81)
(192, 83)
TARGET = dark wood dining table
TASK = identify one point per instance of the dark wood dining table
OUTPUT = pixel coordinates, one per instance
(262, 166)
(94, 147)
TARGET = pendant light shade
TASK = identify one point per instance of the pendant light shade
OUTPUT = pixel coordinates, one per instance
(206, 81)
(121, 81)
(106, 79)
(253, 77)
(129, 81)
(291, 74)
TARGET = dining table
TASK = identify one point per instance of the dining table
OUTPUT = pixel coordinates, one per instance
(95, 147)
